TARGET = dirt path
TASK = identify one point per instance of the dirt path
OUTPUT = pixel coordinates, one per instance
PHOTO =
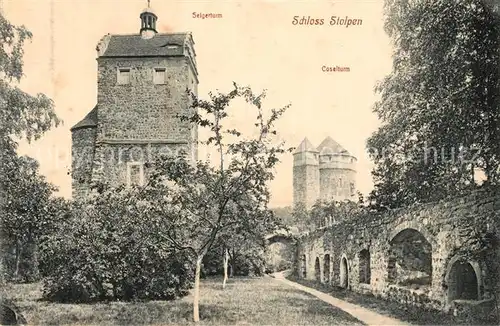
(367, 316)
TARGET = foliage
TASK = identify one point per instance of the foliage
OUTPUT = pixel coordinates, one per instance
(145, 242)
(21, 114)
(246, 256)
(109, 249)
(325, 213)
(209, 203)
(280, 256)
(301, 218)
(29, 211)
(439, 107)
(284, 214)
(24, 194)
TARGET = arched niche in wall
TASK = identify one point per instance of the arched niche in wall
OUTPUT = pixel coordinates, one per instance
(410, 259)
(326, 269)
(317, 269)
(364, 266)
(344, 272)
(463, 279)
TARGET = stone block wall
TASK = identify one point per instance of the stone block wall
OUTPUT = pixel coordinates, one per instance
(305, 184)
(141, 119)
(451, 227)
(111, 159)
(82, 156)
(337, 184)
(142, 109)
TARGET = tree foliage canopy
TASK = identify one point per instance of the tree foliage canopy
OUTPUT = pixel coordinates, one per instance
(21, 114)
(439, 107)
(25, 195)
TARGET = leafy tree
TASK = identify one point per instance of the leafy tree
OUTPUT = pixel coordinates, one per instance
(238, 253)
(440, 105)
(244, 248)
(22, 116)
(27, 205)
(208, 201)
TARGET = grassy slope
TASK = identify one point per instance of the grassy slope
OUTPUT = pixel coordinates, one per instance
(246, 301)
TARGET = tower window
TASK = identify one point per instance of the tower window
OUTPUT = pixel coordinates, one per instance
(160, 76)
(135, 174)
(123, 76)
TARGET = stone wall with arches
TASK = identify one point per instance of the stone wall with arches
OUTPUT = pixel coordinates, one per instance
(432, 255)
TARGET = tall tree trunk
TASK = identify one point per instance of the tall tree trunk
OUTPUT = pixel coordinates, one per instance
(226, 262)
(19, 248)
(196, 292)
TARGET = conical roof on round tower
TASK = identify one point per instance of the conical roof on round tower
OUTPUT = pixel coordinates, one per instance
(330, 146)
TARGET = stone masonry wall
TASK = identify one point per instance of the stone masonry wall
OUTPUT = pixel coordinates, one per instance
(450, 226)
(142, 109)
(111, 162)
(335, 184)
(141, 119)
(305, 184)
(82, 155)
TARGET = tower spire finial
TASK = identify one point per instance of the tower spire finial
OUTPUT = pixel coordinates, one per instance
(148, 22)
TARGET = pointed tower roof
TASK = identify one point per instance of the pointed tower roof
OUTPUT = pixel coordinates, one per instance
(90, 120)
(305, 146)
(330, 146)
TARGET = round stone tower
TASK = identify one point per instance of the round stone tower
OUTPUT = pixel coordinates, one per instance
(83, 136)
(337, 172)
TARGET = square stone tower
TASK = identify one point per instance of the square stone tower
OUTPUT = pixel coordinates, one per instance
(305, 174)
(141, 96)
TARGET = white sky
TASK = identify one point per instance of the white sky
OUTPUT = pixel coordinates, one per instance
(253, 44)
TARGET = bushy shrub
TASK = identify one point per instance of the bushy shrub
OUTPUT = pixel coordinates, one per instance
(108, 250)
(213, 263)
(244, 262)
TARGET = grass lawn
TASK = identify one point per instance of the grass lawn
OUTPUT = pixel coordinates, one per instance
(245, 301)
